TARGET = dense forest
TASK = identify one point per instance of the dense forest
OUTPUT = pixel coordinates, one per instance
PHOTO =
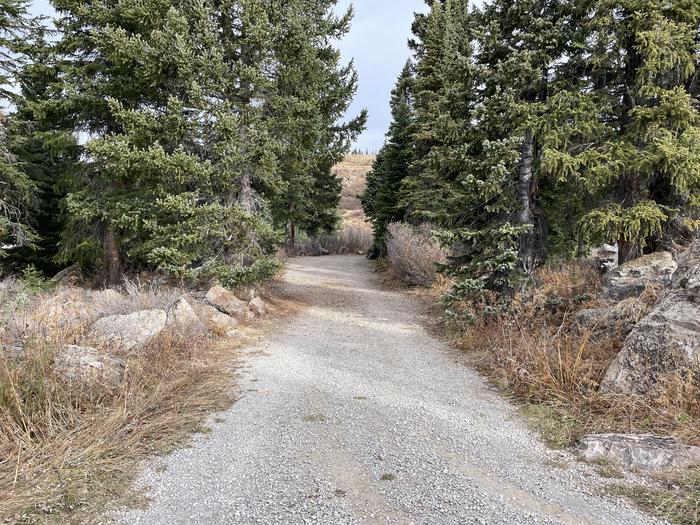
(530, 130)
(190, 136)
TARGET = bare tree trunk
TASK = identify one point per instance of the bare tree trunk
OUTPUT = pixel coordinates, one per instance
(292, 237)
(111, 258)
(525, 216)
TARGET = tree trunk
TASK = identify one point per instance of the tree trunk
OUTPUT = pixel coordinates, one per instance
(111, 258)
(525, 216)
(292, 237)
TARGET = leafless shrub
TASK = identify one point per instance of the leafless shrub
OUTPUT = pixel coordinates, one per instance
(414, 254)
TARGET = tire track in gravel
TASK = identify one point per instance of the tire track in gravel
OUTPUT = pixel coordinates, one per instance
(351, 412)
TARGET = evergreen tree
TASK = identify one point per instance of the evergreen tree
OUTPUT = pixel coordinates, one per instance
(43, 144)
(645, 169)
(312, 93)
(17, 189)
(380, 199)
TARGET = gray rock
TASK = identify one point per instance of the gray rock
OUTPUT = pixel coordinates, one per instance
(639, 451)
(246, 293)
(633, 277)
(69, 276)
(667, 340)
(13, 352)
(257, 306)
(611, 321)
(184, 320)
(132, 331)
(80, 364)
(218, 322)
(687, 277)
(227, 302)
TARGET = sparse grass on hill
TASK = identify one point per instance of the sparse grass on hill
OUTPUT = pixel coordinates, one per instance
(353, 173)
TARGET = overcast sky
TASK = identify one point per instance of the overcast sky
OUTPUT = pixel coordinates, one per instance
(377, 42)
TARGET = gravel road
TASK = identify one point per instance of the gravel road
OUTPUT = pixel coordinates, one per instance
(352, 413)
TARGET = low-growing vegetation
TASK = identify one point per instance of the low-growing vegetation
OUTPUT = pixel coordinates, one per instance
(69, 448)
(353, 239)
(413, 254)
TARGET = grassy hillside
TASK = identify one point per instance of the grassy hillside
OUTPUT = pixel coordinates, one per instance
(353, 172)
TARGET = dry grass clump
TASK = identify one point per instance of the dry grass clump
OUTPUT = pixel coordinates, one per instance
(351, 239)
(533, 353)
(413, 254)
(677, 498)
(66, 450)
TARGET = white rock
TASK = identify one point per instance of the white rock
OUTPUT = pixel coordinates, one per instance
(639, 451)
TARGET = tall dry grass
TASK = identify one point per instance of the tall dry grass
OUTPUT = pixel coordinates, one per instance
(534, 353)
(66, 450)
(351, 239)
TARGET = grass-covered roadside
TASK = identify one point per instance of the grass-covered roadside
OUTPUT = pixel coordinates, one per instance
(537, 356)
(68, 450)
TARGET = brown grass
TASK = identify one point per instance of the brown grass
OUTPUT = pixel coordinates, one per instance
(533, 354)
(353, 239)
(67, 450)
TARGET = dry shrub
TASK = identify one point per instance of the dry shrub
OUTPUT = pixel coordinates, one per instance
(351, 239)
(532, 353)
(66, 450)
(413, 254)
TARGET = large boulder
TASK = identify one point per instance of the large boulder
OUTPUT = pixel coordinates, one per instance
(184, 320)
(639, 451)
(617, 320)
(132, 331)
(687, 277)
(633, 277)
(80, 364)
(667, 340)
(227, 302)
(218, 322)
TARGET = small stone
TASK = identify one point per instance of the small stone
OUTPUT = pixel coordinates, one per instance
(257, 306)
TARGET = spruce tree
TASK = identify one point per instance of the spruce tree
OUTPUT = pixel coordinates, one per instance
(311, 95)
(380, 200)
(635, 150)
(18, 192)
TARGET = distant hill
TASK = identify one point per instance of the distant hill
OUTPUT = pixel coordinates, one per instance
(353, 173)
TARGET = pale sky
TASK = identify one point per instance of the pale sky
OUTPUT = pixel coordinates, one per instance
(377, 42)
